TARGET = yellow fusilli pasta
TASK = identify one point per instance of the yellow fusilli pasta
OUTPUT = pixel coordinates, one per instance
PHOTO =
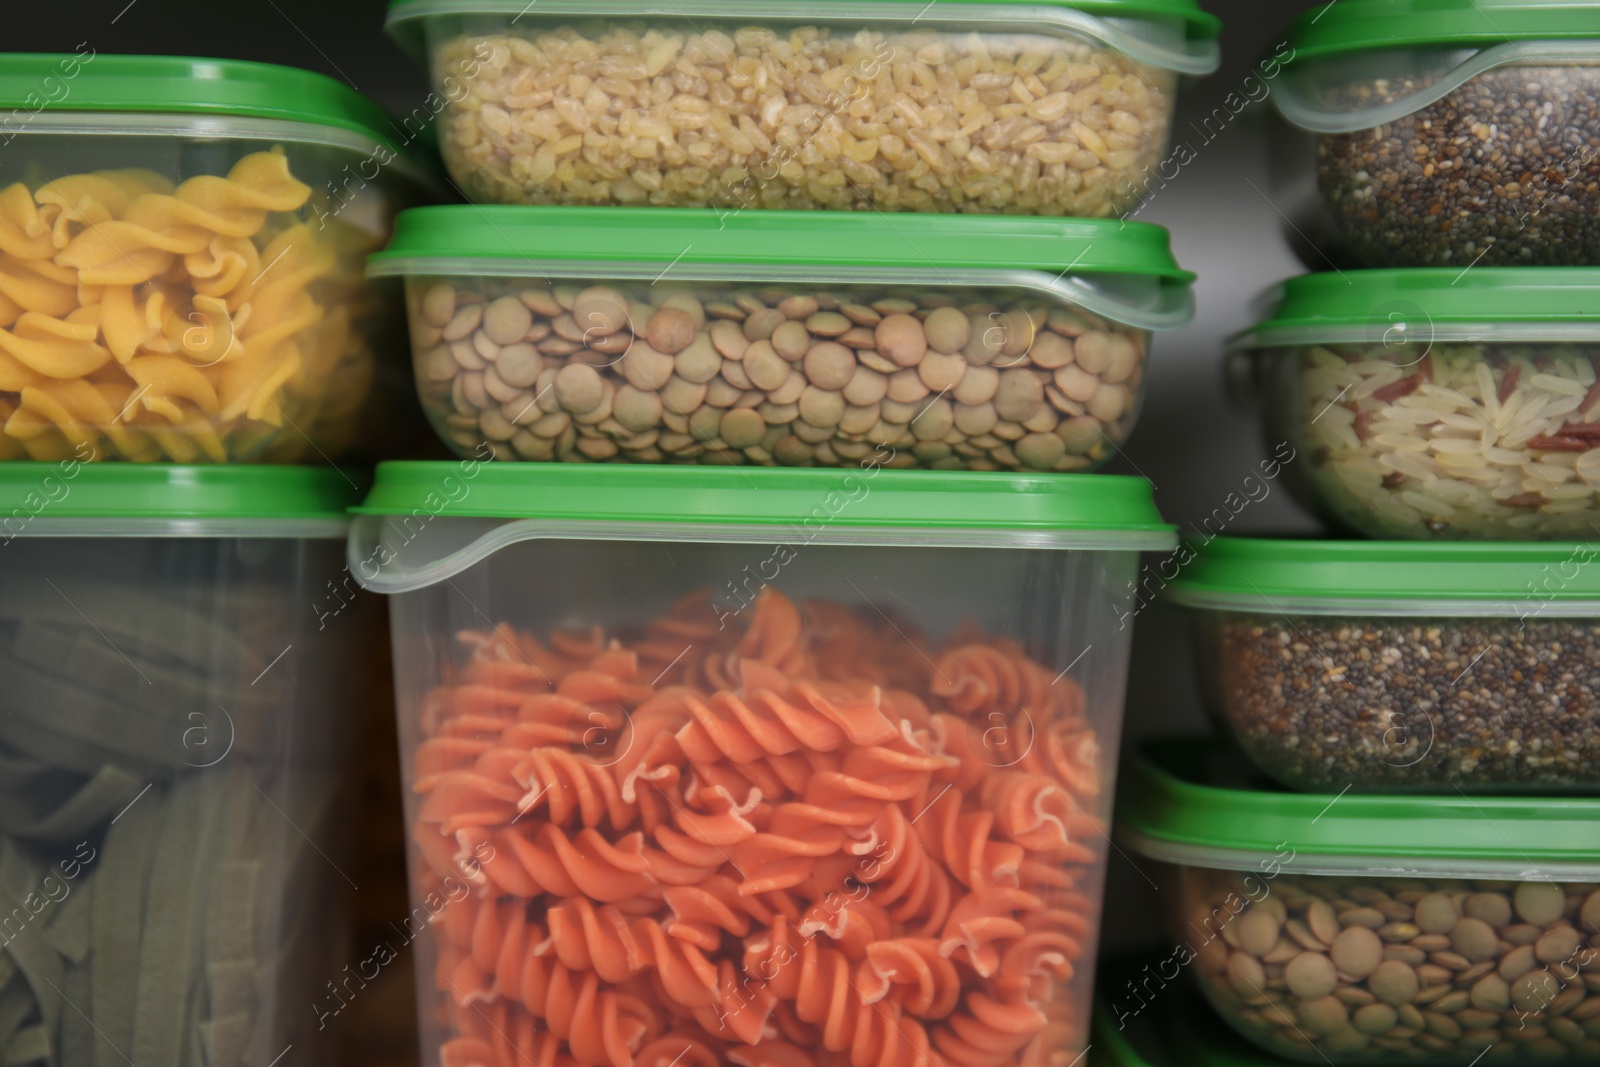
(202, 322)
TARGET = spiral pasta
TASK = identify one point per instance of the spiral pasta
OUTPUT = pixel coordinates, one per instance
(791, 843)
(203, 322)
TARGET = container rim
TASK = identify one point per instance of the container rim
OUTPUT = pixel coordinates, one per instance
(1341, 27)
(516, 502)
(1170, 811)
(185, 85)
(1104, 265)
(73, 498)
(1122, 24)
(1420, 305)
(1292, 576)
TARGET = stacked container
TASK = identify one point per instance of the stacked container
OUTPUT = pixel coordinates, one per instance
(809, 763)
(182, 305)
(1444, 398)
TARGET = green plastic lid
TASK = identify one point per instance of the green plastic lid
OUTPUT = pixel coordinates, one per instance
(1415, 578)
(1344, 26)
(1188, 802)
(181, 85)
(500, 504)
(1432, 304)
(1192, 49)
(1124, 270)
(72, 499)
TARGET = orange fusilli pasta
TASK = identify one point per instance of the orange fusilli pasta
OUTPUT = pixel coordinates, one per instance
(203, 322)
(798, 842)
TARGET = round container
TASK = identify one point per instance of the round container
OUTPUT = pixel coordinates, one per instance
(1020, 107)
(181, 253)
(655, 336)
(725, 766)
(1340, 929)
(1392, 666)
(173, 737)
(1451, 133)
(1436, 404)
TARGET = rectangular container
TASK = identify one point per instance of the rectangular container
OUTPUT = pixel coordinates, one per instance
(1399, 667)
(1147, 1014)
(801, 339)
(174, 726)
(1450, 134)
(1343, 930)
(1021, 107)
(181, 252)
(723, 766)
(1436, 404)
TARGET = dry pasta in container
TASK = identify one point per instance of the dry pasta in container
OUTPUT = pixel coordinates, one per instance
(1446, 133)
(1394, 666)
(1436, 403)
(1345, 929)
(1022, 107)
(182, 244)
(174, 792)
(750, 767)
(650, 335)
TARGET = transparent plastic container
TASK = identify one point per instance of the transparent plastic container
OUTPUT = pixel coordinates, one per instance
(1376, 930)
(1147, 1014)
(174, 726)
(1433, 403)
(1449, 133)
(1402, 667)
(725, 766)
(181, 266)
(1021, 108)
(657, 336)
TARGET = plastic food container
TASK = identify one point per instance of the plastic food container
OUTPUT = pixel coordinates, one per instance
(1436, 403)
(1147, 1014)
(1393, 666)
(727, 766)
(1451, 133)
(656, 336)
(1027, 108)
(173, 736)
(182, 244)
(1352, 929)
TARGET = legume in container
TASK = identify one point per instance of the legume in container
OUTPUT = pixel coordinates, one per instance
(1436, 403)
(182, 244)
(727, 766)
(1023, 108)
(656, 336)
(1402, 667)
(1147, 1014)
(1361, 929)
(1452, 133)
(173, 727)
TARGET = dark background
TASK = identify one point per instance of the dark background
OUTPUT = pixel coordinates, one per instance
(1223, 210)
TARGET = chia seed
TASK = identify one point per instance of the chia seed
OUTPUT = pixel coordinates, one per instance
(1325, 704)
(1504, 171)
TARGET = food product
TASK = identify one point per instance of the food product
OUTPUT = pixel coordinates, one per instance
(1469, 440)
(1342, 929)
(694, 115)
(1414, 703)
(1503, 170)
(803, 837)
(784, 375)
(1364, 969)
(144, 321)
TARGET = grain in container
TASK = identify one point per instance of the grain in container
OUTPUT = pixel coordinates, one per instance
(1023, 107)
(650, 335)
(1448, 133)
(1347, 929)
(181, 252)
(1436, 403)
(173, 733)
(733, 766)
(1393, 666)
